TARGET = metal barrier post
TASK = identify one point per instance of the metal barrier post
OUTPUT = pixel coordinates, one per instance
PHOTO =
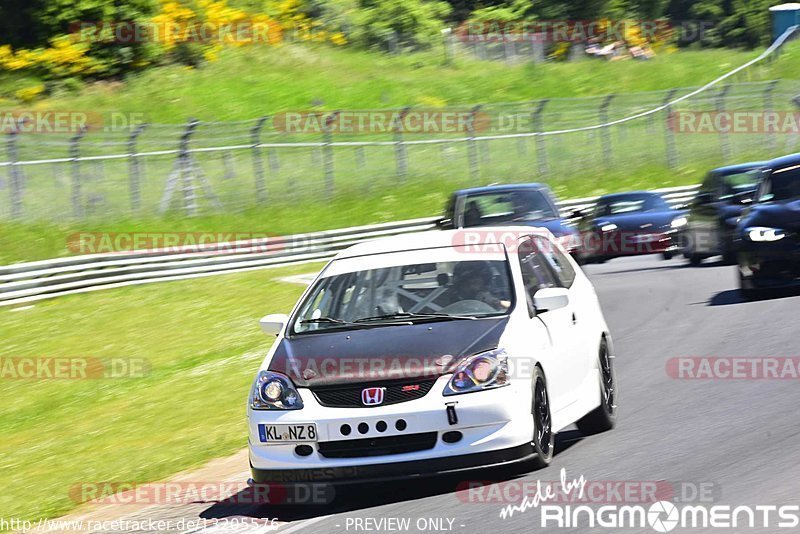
(768, 108)
(538, 127)
(327, 154)
(15, 174)
(258, 163)
(134, 170)
(669, 130)
(724, 140)
(472, 152)
(75, 153)
(605, 133)
(400, 149)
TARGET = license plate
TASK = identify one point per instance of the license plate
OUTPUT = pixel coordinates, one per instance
(287, 433)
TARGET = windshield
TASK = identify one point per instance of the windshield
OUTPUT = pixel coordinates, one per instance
(739, 183)
(781, 184)
(620, 205)
(512, 206)
(450, 289)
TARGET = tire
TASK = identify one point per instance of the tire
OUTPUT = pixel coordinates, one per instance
(695, 260)
(667, 255)
(604, 417)
(543, 439)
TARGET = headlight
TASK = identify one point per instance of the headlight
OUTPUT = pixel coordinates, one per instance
(486, 370)
(761, 234)
(274, 391)
(608, 227)
(680, 221)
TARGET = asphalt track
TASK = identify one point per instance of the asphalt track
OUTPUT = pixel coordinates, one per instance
(735, 439)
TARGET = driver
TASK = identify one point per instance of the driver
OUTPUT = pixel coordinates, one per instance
(472, 281)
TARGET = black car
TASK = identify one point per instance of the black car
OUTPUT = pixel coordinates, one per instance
(530, 204)
(715, 211)
(768, 235)
(629, 224)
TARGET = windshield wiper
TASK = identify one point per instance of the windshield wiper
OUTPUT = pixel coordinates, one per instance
(341, 322)
(324, 320)
(412, 315)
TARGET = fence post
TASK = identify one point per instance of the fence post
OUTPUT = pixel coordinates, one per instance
(772, 141)
(724, 140)
(185, 169)
(400, 149)
(134, 170)
(538, 127)
(258, 163)
(361, 160)
(74, 153)
(605, 131)
(327, 154)
(669, 133)
(472, 152)
(15, 174)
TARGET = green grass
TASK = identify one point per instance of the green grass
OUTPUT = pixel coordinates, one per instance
(250, 82)
(202, 341)
(253, 81)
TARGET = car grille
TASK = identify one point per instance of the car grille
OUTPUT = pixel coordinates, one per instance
(359, 448)
(350, 396)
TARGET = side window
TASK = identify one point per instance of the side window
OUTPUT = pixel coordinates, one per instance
(556, 260)
(535, 272)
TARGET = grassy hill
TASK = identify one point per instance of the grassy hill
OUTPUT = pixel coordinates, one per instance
(253, 81)
(250, 82)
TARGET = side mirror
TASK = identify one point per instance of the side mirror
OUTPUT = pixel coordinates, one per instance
(273, 324)
(550, 298)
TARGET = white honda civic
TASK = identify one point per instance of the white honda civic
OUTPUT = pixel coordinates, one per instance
(430, 353)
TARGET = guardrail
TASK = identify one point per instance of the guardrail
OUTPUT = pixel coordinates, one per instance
(28, 282)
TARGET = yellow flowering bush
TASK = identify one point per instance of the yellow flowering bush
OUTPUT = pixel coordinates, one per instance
(29, 94)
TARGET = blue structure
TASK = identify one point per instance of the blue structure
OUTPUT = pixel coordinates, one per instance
(784, 17)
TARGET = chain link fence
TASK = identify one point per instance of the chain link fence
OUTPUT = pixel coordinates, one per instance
(224, 167)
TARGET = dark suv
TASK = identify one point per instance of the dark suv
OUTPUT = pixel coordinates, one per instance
(768, 235)
(715, 211)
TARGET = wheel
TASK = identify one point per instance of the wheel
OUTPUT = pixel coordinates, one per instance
(543, 438)
(604, 417)
(695, 260)
(667, 255)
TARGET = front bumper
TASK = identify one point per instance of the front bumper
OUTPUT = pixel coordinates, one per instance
(775, 264)
(495, 426)
(616, 243)
(415, 469)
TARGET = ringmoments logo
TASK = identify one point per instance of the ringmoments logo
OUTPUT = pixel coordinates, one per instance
(664, 516)
(694, 508)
